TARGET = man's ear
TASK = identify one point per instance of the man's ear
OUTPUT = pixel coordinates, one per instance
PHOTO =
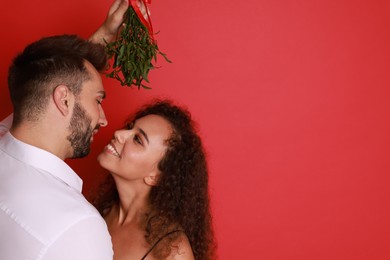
(152, 179)
(62, 99)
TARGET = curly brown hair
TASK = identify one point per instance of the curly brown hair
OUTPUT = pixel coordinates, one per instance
(180, 200)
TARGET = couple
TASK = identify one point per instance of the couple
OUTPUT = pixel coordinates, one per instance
(155, 204)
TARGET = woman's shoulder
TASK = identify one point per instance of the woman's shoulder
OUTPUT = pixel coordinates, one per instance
(173, 245)
(181, 248)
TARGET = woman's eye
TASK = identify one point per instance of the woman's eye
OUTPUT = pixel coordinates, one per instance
(137, 139)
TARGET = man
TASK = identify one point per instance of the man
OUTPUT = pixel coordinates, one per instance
(56, 91)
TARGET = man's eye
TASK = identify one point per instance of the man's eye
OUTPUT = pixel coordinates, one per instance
(99, 101)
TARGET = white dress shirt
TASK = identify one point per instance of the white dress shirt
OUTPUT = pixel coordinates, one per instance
(43, 214)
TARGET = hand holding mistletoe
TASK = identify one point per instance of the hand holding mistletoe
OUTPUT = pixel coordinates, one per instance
(134, 48)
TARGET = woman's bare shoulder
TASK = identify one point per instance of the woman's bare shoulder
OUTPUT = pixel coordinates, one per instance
(181, 249)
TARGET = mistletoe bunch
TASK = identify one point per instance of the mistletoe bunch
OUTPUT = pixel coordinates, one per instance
(133, 52)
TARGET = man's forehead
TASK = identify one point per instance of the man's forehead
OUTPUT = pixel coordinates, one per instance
(94, 84)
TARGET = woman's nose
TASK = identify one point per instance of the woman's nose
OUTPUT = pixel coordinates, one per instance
(122, 135)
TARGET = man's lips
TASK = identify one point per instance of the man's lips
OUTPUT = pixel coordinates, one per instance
(94, 132)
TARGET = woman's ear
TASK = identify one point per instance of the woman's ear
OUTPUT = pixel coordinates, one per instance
(152, 180)
(61, 98)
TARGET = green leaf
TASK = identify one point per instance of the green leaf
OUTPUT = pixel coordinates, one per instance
(133, 52)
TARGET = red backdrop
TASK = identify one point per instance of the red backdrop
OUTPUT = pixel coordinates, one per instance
(292, 100)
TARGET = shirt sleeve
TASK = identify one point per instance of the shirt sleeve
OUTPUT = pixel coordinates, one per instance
(5, 124)
(87, 240)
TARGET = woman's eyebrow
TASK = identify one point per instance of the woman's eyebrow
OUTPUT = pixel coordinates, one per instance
(144, 134)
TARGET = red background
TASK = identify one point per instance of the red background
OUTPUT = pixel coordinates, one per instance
(292, 99)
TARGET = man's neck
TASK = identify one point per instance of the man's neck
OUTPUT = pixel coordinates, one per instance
(38, 135)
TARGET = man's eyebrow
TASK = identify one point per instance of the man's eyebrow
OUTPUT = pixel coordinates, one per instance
(144, 134)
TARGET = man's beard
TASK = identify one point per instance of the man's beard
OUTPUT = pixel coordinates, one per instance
(81, 132)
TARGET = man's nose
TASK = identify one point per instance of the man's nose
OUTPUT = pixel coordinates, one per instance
(102, 118)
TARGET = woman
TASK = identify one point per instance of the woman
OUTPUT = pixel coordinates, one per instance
(156, 200)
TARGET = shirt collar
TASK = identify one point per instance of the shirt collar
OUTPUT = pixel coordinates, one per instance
(40, 159)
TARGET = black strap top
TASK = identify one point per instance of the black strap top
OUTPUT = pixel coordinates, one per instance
(158, 241)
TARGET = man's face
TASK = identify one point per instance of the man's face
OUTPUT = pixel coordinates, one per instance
(88, 114)
(81, 132)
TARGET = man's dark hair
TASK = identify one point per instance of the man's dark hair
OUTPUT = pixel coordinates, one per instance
(46, 64)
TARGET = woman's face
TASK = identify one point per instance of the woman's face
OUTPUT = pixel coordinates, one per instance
(134, 153)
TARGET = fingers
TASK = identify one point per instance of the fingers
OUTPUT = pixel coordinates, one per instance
(116, 5)
(124, 4)
(114, 19)
(144, 9)
(116, 15)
